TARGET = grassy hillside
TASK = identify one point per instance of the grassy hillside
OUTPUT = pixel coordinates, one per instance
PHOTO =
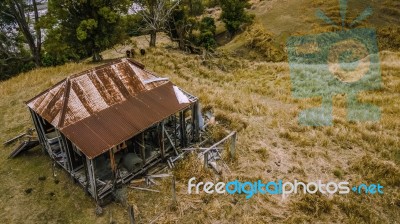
(250, 96)
(276, 20)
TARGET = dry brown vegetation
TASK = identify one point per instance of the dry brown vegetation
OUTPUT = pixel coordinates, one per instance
(251, 97)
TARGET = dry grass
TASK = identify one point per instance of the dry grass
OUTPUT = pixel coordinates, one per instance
(252, 97)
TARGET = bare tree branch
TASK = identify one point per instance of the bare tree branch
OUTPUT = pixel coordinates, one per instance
(155, 14)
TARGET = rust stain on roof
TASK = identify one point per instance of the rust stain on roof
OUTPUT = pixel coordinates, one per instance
(102, 107)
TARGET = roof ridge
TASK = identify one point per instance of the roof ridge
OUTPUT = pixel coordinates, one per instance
(67, 89)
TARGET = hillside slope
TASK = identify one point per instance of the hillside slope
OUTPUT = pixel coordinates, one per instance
(275, 21)
(251, 96)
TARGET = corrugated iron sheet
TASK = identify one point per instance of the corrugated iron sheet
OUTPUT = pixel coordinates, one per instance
(102, 107)
(86, 93)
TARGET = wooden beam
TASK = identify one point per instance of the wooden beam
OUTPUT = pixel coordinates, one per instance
(144, 189)
(219, 142)
(92, 178)
(161, 139)
(196, 122)
(112, 161)
(142, 147)
(174, 202)
(182, 125)
(205, 160)
(170, 141)
(63, 147)
(233, 145)
(66, 140)
(175, 131)
(85, 166)
(131, 214)
(65, 102)
(14, 139)
(46, 143)
(37, 128)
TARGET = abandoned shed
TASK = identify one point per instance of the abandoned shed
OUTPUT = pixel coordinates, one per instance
(109, 124)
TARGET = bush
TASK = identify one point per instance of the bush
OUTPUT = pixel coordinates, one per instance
(234, 14)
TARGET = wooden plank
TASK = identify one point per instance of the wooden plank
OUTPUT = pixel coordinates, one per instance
(233, 145)
(144, 189)
(41, 129)
(182, 125)
(112, 161)
(92, 178)
(142, 147)
(14, 139)
(196, 123)
(174, 202)
(24, 146)
(206, 160)
(161, 139)
(159, 175)
(66, 140)
(219, 142)
(131, 215)
(41, 138)
(170, 141)
(65, 102)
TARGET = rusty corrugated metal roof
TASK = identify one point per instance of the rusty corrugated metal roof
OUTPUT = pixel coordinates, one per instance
(102, 107)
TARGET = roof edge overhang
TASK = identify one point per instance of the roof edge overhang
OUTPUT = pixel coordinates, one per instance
(104, 150)
(144, 129)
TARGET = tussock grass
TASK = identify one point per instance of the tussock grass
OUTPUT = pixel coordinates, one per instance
(372, 170)
(314, 205)
(255, 99)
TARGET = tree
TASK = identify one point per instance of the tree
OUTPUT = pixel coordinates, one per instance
(85, 28)
(180, 27)
(190, 34)
(196, 7)
(234, 14)
(207, 33)
(155, 14)
(17, 14)
(13, 56)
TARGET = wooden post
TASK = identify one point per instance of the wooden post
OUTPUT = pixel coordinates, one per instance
(233, 145)
(112, 162)
(142, 147)
(219, 142)
(63, 148)
(196, 113)
(68, 162)
(85, 166)
(161, 139)
(182, 128)
(131, 214)
(37, 128)
(92, 178)
(46, 144)
(193, 121)
(170, 141)
(175, 131)
(174, 202)
(206, 160)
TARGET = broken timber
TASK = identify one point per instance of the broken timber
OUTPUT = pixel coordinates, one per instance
(211, 154)
(24, 146)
